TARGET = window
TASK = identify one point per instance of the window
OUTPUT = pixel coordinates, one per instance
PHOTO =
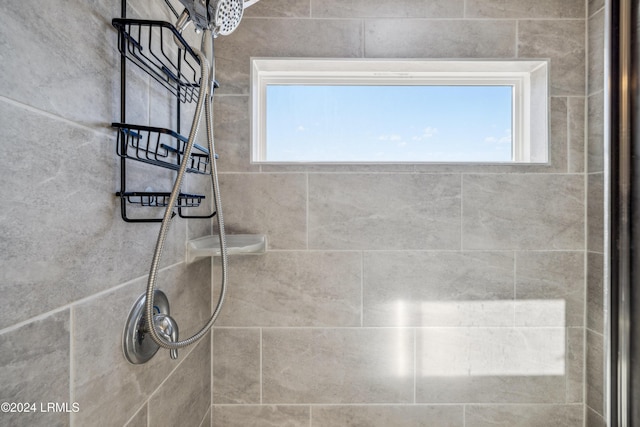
(376, 111)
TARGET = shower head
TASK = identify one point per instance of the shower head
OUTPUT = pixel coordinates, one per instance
(222, 17)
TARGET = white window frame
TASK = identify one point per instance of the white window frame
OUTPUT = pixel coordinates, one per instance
(529, 80)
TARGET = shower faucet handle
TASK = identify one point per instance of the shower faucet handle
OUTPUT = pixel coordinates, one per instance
(168, 329)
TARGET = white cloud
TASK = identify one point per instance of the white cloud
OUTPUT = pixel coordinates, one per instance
(393, 137)
(301, 128)
(506, 139)
(427, 132)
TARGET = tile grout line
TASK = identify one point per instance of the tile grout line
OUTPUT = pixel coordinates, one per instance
(261, 374)
(72, 395)
(362, 289)
(461, 212)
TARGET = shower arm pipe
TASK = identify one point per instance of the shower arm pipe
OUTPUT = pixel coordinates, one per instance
(204, 97)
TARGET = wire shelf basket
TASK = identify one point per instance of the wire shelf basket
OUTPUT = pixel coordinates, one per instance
(150, 45)
(160, 147)
(160, 199)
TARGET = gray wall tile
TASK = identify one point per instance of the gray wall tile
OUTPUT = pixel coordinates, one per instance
(83, 55)
(106, 385)
(557, 276)
(139, 419)
(595, 133)
(280, 8)
(524, 9)
(594, 419)
(416, 38)
(231, 130)
(236, 366)
(384, 416)
(595, 6)
(596, 52)
(524, 415)
(294, 289)
(271, 204)
(563, 42)
(595, 292)
(523, 212)
(577, 134)
(383, 9)
(44, 243)
(337, 365)
(184, 398)
(438, 288)
(575, 365)
(558, 135)
(260, 416)
(333, 38)
(34, 367)
(389, 211)
(595, 213)
(595, 381)
(490, 365)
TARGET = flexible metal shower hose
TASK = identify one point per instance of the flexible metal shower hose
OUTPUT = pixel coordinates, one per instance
(204, 97)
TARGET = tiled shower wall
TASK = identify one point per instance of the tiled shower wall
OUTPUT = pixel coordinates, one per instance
(595, 325)
(406, 295)
(70, 268)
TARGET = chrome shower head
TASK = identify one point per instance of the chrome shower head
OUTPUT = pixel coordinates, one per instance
(227, 16)
(222, 17)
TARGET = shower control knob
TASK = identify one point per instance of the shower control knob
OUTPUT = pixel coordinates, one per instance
(167, 328)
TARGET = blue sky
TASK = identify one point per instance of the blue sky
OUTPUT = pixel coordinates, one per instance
(389, 123)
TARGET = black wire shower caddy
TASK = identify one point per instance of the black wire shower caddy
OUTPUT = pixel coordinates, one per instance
(153, 47)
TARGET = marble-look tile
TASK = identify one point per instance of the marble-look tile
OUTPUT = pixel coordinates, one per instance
(385, 9)
(575, 365)
(558, 132)
(385, 416)
(34, 367)
(438, 288)
(236, 366)
(595, 212)
(206, 421)
(563, 42)
(594, 419)
(293, 289)
(280, 9)
(523, 211)
(596, 52)
(595, 6)
(256, 37)
(549, 277)
(595, 292)
(75, 74)
(490, 389)
(524, 9)
(140, 418)
(185, 397)
(231, 129)
(418, 38)
(337, 365)
(260, 416)
(577, 142)
(45, 246)
(595, 378)
(271, 204)
(389, 211)
(106, 385)
(595, 133)
(491, 352)
(524, 415)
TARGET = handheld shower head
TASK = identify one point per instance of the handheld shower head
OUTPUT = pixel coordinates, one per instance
(222, 17)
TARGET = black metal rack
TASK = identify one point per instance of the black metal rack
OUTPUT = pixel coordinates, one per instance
(153, 47)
